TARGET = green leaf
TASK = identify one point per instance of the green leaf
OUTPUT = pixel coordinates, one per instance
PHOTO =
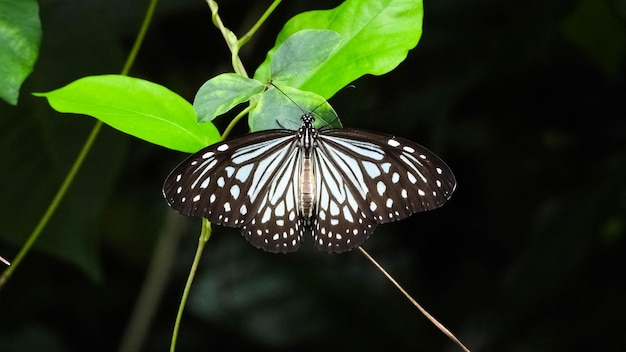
(222, 93)
(283, 110)
(304, 51)
(140, 108)
(377, 35)
(20, 35)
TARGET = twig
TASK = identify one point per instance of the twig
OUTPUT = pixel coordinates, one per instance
(408, 296)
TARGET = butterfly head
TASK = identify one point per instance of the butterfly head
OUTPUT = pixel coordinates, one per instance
(308, 119)
(307, 132)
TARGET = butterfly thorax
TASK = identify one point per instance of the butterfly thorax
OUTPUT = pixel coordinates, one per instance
(307, 192)
(307, 134)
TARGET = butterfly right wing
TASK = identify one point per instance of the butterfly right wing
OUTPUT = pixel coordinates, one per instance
(245, 182)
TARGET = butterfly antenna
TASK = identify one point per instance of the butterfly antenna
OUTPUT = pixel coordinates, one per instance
(288, 97)
(328, 124)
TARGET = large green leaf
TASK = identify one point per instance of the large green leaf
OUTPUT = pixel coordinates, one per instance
(303, 51)
(377, 35)
(140, 108)
(20, 35)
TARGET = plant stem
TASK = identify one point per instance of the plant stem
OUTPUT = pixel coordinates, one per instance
(234, 121)
(204, 237)
(246, 37)
(414, 302)
(157, 277)
(233, 45)
(230, 38)
(69, 178)
(53, 205)
(140, 37)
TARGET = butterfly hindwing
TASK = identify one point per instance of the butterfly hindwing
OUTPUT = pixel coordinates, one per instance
(276, 225)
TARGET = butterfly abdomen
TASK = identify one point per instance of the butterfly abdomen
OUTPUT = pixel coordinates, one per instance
(307, 189)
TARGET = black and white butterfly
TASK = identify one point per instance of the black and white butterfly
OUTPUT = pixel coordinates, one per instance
(337, 184)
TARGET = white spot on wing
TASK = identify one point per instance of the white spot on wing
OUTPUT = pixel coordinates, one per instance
(381, 188)
(243, 173)
(234, 191)
(347, 214)
(334, 209)
(393, 143)
(266, 215)
(371, 169)
(280, 209)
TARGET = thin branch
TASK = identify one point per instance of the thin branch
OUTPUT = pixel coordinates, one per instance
(230, 38)
(246, 37)
(204, 237)
(58, 197)
(412, 300)
(234, 121)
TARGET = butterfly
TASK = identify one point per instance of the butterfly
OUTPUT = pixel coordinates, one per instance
(337, 184)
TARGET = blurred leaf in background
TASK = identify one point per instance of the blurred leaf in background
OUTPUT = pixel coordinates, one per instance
(20, 35)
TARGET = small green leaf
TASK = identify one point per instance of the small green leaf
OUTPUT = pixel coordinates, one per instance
(301, 52)
(140, 108)
(20, 35)
(377, 35)
(222, 93)
(283, 110)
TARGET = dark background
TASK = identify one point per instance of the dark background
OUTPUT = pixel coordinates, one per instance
(525, 102)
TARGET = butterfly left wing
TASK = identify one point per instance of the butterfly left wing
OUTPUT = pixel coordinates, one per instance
(242, 183)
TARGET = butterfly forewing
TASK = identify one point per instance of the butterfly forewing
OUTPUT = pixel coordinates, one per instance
(227, 182)
(372, 178)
